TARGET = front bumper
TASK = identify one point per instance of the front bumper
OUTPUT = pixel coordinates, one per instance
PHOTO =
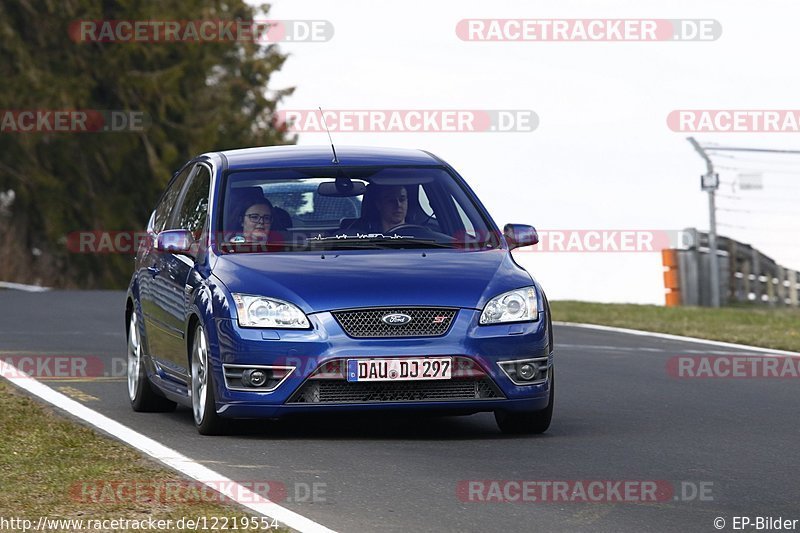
(307, 350)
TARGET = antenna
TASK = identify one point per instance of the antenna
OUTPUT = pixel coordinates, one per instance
(333, 149)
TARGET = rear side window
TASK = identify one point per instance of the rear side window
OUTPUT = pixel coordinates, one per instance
(194, 206)
(306, 206)
(167, 203)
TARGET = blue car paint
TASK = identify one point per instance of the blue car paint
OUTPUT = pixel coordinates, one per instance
(321, 282)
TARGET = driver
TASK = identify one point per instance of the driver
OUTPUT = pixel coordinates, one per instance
(384, 207)
(392, 203)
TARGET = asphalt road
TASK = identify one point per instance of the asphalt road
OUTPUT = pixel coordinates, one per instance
(618, 416)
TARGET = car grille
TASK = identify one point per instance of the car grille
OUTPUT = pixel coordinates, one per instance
(340, 391)
(425, 322)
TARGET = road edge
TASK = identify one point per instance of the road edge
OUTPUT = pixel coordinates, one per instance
(22, 287)
(164, 455)
(670, 336)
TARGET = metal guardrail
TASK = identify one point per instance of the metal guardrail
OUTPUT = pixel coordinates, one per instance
(745, 275)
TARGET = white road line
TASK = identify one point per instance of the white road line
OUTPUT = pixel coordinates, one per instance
(611, 348)
(641, 349)
(675, 338)
(165, 455)
(22, 287)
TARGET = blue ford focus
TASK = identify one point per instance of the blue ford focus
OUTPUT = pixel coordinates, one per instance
(292, 279)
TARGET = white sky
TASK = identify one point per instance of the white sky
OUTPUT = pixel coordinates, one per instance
(602, 156)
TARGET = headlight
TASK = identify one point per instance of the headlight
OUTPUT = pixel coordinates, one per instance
(519, 305)
(260, 312)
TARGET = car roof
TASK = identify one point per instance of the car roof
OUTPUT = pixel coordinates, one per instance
(313, 156)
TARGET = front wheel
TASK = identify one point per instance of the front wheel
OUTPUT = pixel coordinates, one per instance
(140, 391)
(204, 408)
(531, 422)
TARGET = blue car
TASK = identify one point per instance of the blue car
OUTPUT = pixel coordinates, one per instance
(284, 280)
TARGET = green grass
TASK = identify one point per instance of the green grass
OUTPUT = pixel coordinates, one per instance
(770, 328)
(45, 459)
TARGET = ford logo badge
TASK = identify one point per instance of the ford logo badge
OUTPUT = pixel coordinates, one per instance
(396, 319)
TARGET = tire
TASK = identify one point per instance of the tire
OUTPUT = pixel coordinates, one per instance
(140, 392)
(530, 423)
(201, 388)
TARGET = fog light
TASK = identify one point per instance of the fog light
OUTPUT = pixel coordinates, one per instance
(254, 377)
(527, 371)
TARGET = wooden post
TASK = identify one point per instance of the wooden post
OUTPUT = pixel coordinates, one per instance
(770, 287)
(781, 288)
(747, 271)
(734, 285)
(756, 271)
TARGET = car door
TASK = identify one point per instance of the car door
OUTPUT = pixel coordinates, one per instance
(150, 263)
(178, 277)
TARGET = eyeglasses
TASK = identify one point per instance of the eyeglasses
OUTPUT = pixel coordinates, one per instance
(255, 219)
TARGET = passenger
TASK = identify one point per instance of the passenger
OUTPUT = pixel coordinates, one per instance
(255, 220)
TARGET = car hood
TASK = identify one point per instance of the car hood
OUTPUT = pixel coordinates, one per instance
(342, 280)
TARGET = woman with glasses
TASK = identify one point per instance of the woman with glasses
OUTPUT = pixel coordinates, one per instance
(255, 221)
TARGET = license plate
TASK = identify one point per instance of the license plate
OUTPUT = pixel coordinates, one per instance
(402, 369)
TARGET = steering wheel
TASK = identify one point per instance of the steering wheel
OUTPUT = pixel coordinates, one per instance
(409, 226)
(422, 232)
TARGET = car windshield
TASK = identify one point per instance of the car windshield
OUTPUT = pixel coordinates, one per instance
(349, 208)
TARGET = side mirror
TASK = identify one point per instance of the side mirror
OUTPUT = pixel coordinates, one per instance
(175, 241)
(519, 235)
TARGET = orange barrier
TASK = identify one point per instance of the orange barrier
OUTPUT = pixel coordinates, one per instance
(672, 285)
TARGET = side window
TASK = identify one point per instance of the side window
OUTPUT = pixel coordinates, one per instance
(450, 210)
(429, 216)
(465, 221)
(194, 206)
(468, 216)
(167, 203)
(424, 203)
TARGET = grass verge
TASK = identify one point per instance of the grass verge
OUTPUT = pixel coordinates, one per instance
(769, 328)
(54, 467)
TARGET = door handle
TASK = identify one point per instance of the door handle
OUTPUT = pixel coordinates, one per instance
(153, 270)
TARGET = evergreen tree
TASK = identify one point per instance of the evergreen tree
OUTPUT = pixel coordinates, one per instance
(197, 97)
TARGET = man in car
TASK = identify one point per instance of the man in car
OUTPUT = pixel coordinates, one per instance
(384, 207)
(392, 206)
